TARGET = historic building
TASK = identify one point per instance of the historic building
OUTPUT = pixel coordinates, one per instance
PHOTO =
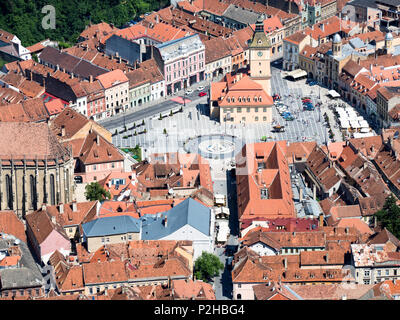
(246, 98)
(34, 169)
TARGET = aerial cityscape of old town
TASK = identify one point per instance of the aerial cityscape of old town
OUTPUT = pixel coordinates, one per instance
(200, 150)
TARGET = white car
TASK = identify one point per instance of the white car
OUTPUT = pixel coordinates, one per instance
(201, 88)
(189, 91)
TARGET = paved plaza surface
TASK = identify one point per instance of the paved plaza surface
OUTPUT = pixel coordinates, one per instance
(194, 121)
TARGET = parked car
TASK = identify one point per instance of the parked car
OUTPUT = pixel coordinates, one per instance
(201, 88)
(276, 97)
(306, 100)
(312, 83)
(202, 94)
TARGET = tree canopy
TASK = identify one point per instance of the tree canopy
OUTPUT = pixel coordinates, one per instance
(207, 266)
(96, 192)
(389, 216)
(24, 17)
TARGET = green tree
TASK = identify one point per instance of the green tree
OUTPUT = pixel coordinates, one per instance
(94, 191)
(389, 216)
(207, 266)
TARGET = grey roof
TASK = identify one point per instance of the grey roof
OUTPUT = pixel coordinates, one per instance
(126, 49)
(357, 43)
(26, 275)
(363, 3)
(396, 51)
(189, 212)
(241, 15)
(174, 48)
(337, 38)
(110, 226)
(347, 50)
(70, 63)
(394, 3)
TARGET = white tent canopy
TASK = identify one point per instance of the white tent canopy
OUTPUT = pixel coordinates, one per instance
(333, 94)
(364, 124)
(344, 124)
(362, 135)
(354, 124)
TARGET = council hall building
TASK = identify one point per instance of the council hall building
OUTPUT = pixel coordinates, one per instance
(35, 169)
(246, 97)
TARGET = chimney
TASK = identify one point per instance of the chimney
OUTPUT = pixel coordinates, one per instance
(346, 230)
(44, 205)
(97, 140)
(119, 60)
(72, 75)
(157, 19)
(301, 194)
(62, 131)
(165, 222)
(91, 78)
(74, 206)
(53, 219)
(285, 263)
(61, 208)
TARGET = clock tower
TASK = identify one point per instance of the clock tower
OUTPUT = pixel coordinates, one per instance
(259, 52)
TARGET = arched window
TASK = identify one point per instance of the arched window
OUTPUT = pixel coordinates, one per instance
(67, 186)
(238, 296)
(32, 182)
(9, 192)
(52, 190)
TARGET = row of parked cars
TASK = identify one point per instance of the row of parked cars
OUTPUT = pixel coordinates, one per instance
(307, 104)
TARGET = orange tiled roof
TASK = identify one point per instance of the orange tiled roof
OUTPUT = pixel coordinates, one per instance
(275, 176)
(10, 224)
(103, 272)
(112, 78)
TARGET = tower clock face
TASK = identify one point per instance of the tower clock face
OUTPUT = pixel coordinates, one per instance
(259, 53)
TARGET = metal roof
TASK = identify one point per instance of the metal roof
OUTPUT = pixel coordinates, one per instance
(189, 212)
(110, 226)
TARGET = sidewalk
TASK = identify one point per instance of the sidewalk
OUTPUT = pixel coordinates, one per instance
(155, 102)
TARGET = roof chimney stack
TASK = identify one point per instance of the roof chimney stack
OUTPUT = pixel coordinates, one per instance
(62, 131)
(74, 206)
(165, 222)
(61, 208)
(97, 140)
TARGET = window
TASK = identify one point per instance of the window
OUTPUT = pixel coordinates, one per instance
(378, 272)
(32, 182)
(366, 273)
(9, 192)
(256, 119)
(255, 109)
(264, 118)
(52, 190)
(91, 290)
(387, 272)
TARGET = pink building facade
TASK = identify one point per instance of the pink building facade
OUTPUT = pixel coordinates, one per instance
(183, 62)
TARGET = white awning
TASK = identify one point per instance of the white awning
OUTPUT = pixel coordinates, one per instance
(365, 130)
(364, 124)
(362, 135)
(333, 94)
(298, 73)
(354, 124)
(344, 124)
